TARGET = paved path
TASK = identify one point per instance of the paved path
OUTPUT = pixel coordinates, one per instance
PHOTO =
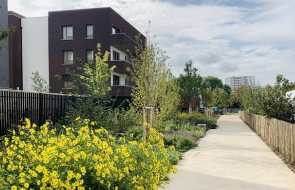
(231, 157)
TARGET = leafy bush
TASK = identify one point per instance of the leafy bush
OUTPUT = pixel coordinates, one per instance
(174, 156)
(196, 118)
(134, 133)
(180, 142)
(81, 159)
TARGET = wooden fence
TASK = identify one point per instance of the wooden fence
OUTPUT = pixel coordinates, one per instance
(15, 106)
(279, 134)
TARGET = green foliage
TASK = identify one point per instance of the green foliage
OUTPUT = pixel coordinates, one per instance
(195, 119)
(95, 104)
(134, 133)
(274, 104)
(39, 83)
(207, 97)
(210, 90)
(181, 143)
(215, 97)
(270, 101)
(174, 156)
(211, 83)
(6, 33)
(227, 89)
(236, 96)
(223, 98)
(284, 84)
(155, 85)
(190, 83)
(94, 78)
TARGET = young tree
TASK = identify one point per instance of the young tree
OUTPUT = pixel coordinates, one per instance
(207, 97)
(90, 88)
(154, 84)
(236, 96)
(223, 98)
(94, 78)
(40, 84)
(215, 97)
(190, 84)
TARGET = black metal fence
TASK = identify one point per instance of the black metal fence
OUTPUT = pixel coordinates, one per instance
(15, 106)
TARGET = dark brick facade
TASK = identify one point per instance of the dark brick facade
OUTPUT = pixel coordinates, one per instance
(4, 54)
(15, 52)
(102, 20)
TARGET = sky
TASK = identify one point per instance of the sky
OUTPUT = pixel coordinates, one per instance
(223, 38)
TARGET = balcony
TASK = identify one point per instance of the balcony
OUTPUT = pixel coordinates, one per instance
(123, 42)
(122, 91)
(121, 66)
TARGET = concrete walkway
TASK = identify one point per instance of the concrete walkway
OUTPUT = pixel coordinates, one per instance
(231, 157)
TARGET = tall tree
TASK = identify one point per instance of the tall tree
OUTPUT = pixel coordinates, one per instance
(211, 83)
(285, 84)
(155, 85)
(227, 89)
(190, 84)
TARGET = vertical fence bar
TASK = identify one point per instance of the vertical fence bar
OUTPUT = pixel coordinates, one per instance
(40, 101)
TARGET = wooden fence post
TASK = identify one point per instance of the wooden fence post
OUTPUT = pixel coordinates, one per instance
(293, 144)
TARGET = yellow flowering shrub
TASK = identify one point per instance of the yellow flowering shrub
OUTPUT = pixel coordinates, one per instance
(81, 159)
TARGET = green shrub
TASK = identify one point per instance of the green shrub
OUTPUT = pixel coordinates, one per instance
(180, 142)
(174, 156)
(134, 133)
(198, 134)
(194, 119)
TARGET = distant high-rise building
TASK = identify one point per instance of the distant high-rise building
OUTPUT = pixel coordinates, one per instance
(236, 82)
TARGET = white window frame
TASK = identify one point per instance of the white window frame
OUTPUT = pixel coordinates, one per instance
(87, 58)
(67, 32)
(67, 58)
(89, 31)
(115, 58)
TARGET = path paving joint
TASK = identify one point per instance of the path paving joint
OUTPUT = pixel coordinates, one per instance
(231, 157)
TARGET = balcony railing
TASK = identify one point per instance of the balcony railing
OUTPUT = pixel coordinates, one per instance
(123, 42)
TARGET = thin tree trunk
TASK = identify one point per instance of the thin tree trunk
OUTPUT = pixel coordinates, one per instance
(189, 107)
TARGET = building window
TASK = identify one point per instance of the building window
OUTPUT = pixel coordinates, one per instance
(116, 56)
(89, 31)
(67, 57)
(67, 81)
(89, 56)
(116, 80)
(67, 32)
(128, 83)
(115, 30)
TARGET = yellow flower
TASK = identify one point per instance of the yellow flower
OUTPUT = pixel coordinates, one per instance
(14, 187)
(26, 185)
(22, 175)
(77, 118)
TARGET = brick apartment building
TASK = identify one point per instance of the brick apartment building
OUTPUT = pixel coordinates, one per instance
(51, 45)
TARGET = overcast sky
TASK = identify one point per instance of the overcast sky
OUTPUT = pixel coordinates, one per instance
(223, 38)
